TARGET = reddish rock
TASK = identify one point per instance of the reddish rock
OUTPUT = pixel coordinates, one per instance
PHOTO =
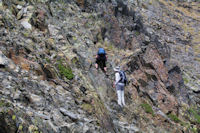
(151, 77)
(152, 56)
(25, 63)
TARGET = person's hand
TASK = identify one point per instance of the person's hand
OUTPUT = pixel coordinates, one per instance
(113, 85)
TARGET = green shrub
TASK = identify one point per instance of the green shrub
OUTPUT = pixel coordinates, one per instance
(174, 118)
(137, 33)
(195, 114)
(65, 71)
(147, 108)
(48, 60)
(194, 130)
(4, 103)
(14, 117)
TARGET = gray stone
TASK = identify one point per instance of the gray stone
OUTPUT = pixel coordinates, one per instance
(36, 99)
(5, 62)
(57, 118)
(20, 14)
(71, 115)
(16, 95)
(43, 116)
(26, 24)
(19, 7)
(53, 30)
(60, 90)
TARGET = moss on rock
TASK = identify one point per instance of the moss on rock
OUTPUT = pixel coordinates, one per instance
(65, 71)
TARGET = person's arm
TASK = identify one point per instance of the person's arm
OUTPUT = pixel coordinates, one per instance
(117, 78)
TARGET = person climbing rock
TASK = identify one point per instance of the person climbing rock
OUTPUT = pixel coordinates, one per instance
(119, 84)
(101, 59)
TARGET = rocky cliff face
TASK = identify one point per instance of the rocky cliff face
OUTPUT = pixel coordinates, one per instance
(48, 82)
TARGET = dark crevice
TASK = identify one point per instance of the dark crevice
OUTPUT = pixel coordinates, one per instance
(133, 65)
(83, 90)
(7, 125)
(149, 97)
(142, 82)
(103, 32)
(171, 89)
(2, 66)
(175, 69)
(151, 77)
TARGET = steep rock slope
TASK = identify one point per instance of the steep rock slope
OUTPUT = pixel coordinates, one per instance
(48, 79)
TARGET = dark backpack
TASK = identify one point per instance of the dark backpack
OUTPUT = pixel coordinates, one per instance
(101, 51)
(123, 77)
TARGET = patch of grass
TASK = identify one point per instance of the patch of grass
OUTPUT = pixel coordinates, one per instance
(194, 130)
(50, 41)
(48, 60)
(74, 38)
(197, 59)
(14, 117)
(150, 2)
(147, 108)
(195, 114)
(26, 34)
(4, 104)
(174, 118)
(20, 127)
(197, 46)
(65, 71)
(75, 61)
(87, 107)
(91, 17)
(137, 33)
(110, 47)
(185, 80)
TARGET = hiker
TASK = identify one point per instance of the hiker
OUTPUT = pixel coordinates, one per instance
(119, 84)
(101, 59)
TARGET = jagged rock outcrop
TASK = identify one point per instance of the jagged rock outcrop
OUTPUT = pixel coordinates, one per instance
(48, 82)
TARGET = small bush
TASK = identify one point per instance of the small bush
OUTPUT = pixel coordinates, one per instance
(65, 71)
(147, 108)
(14, 117)
(4, 104)
(195, 115)
(174, 118)
(137, 33)
(194, 130)
(48, 60)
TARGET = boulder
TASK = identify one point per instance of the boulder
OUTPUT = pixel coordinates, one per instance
(6, 62)
(26, 24)
(71, 115)
(35, 99)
